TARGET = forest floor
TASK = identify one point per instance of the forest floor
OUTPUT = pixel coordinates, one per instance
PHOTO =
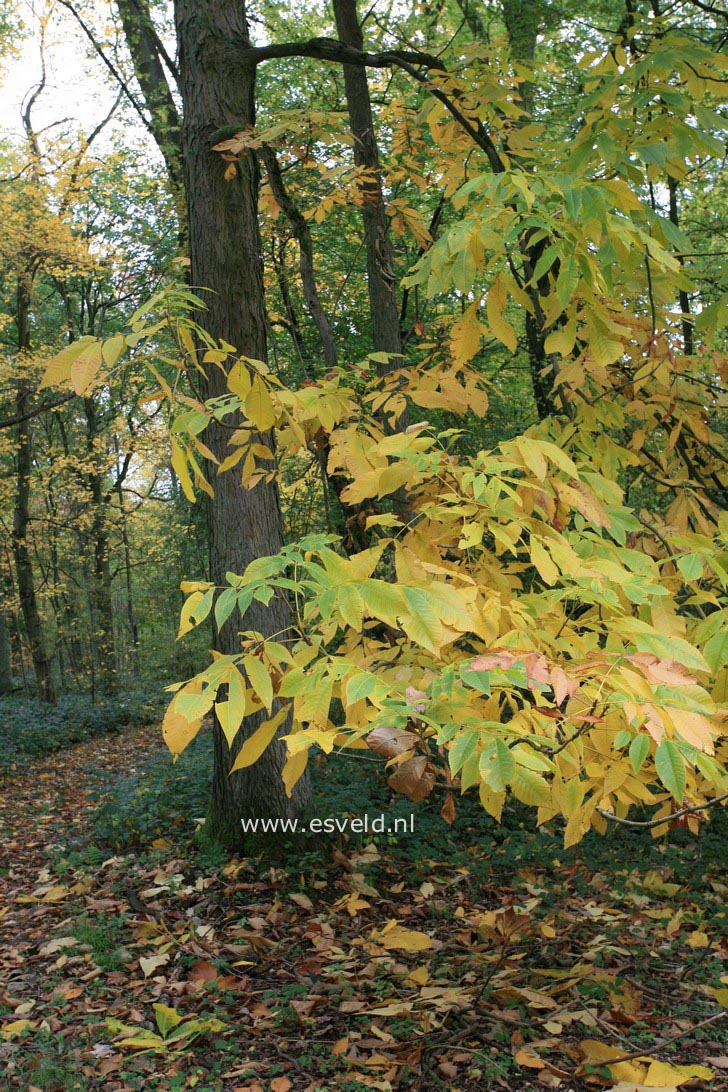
(477, 957)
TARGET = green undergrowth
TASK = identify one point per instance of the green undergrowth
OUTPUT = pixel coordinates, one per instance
(169, 800)
(31, 729)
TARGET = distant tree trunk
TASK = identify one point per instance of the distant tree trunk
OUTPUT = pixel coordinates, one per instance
(130, 613)
(225, 252)
(148, 57)
(688, 324)
(473, 18)
(523, 19)
(386, 334)
(101, 589)
(6, 667)
(21, 517)
(302, 234)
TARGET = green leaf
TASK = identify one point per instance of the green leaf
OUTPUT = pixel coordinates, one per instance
(462, 749)
(478, 680)
(500, 767)
(691, 566)
(360, 686)
(716, 651)
(665, 647)
(422, 624)
(225, 606)
(670, 766)
(638, 751)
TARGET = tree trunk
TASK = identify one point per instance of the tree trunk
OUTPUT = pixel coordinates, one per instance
(129, 584)
(101, 590)
(6, 668)
(21, 517)
(147, 55)
(302, 234)
(386, 334)
(225, 253)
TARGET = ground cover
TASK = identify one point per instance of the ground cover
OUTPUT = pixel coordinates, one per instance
(134, 955)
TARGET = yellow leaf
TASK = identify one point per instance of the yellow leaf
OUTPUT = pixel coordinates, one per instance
(526, 1058)
(56, 894)
(498, 324)
(254, 746)
(293, 770)
(465, 335)
(662, 1075)
(604, 350)
(150, 964)
(561, 341)
(179, 465)
(259, 406)
(420, 976)
(397, 936)
(186, 623)
(85, 367)
(16, 1028)
(239, 380)
(146, 1040)
(112, 349)
(698, 939)
(259, 679)
(542, 561)
(58, 369)
(177, 730)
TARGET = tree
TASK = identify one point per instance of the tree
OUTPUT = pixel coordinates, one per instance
(218, 90)
(530, 574)
(560, 674)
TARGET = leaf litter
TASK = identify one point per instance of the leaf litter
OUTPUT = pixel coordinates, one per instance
(488, 968)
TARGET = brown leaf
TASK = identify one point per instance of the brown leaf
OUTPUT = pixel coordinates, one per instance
(414, 778)
(448, 809)
(391, 742)
(202, 972)
(527, 1058)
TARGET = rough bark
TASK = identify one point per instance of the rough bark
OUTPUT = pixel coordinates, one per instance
(225, 253)
(473, 18)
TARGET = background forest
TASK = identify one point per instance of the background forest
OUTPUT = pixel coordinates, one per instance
(393, 334)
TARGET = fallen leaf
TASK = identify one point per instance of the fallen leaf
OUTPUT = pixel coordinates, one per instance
(150, 964)
(394, 935)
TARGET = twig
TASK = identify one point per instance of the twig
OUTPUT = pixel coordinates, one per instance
(647, 825)
(664, 1042)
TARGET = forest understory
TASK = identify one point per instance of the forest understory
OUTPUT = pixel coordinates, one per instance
(472, 957)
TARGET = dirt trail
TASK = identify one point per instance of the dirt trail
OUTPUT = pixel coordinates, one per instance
(42, 810)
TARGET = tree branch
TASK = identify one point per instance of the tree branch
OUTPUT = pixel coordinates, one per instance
(668, 818)
(43, 407)
(329, 49)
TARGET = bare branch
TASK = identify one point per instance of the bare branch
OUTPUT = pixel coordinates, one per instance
(652, 823)
(43, 407)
